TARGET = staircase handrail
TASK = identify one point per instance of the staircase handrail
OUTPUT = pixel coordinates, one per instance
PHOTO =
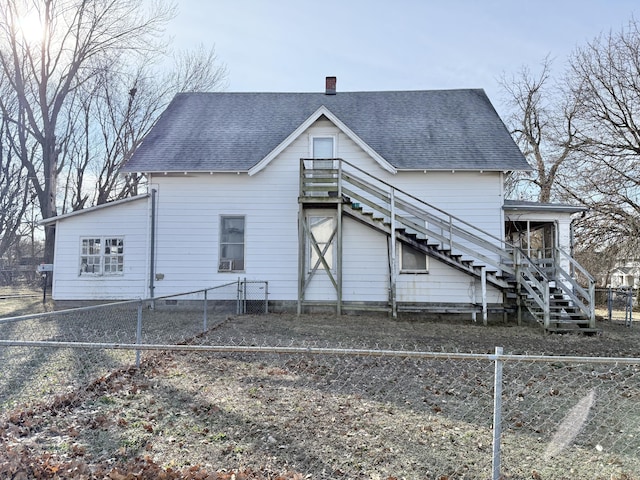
(583, 298)
(439, 210)
(448, 222)
(576, 265)
(530, 275)
(511, 259)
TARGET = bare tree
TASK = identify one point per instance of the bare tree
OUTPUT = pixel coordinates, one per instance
(14, 190)
(605, 81)
(542, 123)
(77, 40)
(127, 103)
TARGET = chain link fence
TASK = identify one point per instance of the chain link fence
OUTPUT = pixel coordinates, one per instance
(617, 304)
(280, 403)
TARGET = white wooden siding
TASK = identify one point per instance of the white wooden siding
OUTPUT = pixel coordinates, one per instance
(128, 220)
(190, 206)
(187, 232)
(366, 264)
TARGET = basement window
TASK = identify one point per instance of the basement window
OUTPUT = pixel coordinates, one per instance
(412, 260)
(101, 256)
(231, 244)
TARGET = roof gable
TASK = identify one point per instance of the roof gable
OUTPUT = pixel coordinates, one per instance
(408, 130)
(322, 111)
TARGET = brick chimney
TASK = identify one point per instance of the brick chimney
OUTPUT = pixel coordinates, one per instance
(330, 86)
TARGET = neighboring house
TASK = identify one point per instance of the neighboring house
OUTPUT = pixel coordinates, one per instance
(355, 200)
(626, 274)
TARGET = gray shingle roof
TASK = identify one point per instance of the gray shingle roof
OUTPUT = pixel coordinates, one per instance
(432, 130)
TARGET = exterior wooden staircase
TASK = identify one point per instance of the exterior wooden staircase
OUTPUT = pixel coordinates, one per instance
(547, 291)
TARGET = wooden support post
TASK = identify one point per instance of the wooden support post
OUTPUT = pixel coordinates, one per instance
(301, 257)
(546, 297)
(474, 286)
(393, 268)
(483, 281)
(517, 258)
(339, 263)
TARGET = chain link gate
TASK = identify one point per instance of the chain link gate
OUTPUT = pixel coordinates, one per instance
(253, 297)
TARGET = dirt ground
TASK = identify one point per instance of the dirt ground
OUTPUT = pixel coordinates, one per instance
(449, 334)
(199, 415)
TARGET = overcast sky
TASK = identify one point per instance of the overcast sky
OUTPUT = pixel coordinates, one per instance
(292, 45)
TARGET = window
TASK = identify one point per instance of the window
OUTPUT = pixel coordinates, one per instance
(102, 256)
(322, 229)
(412, 260)
(231, 244)
(323, 147)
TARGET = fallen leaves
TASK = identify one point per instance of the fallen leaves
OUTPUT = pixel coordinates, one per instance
(19, 464)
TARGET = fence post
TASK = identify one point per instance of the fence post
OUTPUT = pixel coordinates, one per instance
(238, 293)
(204, 321)
(139, 334)
(497, 414)
(610, 303)
(244, 295)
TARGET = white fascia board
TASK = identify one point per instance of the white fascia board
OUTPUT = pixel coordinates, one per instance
(305, 125)
(50, 220)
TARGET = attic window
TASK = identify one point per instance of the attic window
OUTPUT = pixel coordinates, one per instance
(322, 149)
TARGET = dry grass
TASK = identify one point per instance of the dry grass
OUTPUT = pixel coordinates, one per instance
(206, 415)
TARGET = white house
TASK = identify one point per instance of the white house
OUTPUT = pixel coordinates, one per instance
(387, 200)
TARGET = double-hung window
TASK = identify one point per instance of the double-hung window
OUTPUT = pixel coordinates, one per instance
(231, 257)
(102, 256)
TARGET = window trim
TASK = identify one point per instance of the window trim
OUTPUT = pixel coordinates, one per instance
(101, 256)
(222, 260)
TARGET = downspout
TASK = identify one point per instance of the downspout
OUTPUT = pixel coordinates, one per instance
(152, 249)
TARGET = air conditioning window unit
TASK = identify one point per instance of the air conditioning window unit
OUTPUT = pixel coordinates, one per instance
(225, 265)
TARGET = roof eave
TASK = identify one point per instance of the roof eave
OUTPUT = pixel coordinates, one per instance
(51, 220)
(542, 207)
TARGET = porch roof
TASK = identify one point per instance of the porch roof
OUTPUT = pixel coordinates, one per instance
(527, 206)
